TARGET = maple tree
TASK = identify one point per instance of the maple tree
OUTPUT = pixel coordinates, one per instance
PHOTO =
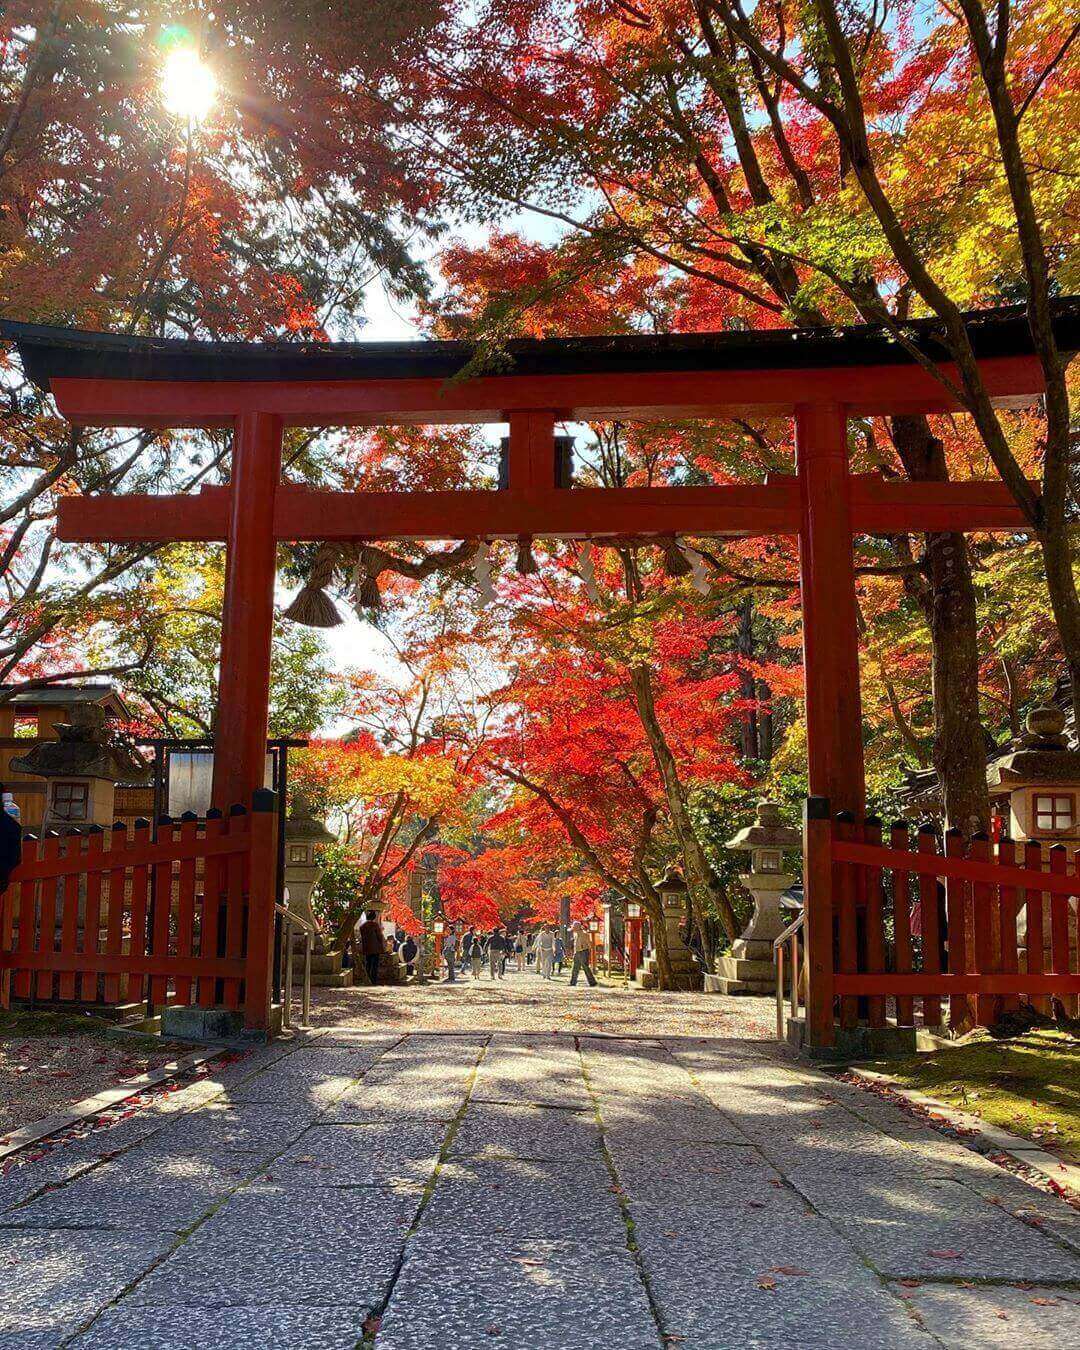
(266, 218)
(708, 166)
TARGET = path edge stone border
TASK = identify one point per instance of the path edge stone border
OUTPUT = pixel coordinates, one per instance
(978, 1131)
(16, 1140)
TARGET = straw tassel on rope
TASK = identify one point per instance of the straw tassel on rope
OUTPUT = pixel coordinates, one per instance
(312, 606)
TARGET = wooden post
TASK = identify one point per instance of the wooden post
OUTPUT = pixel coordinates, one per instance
(248, 613)
(262, 889)
(830, 632)
(818, 901)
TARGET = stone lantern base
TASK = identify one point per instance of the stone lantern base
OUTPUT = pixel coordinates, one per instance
(326, 970)
(685, 971)
(750, 968)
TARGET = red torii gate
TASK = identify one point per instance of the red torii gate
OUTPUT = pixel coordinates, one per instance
(821, 378)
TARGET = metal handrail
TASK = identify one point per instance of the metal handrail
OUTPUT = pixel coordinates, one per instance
(789, 937)
(295, 922)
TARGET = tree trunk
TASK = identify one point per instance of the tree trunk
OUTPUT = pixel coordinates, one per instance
(949, 604)
(697, 863)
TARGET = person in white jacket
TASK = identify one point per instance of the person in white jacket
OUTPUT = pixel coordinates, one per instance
(545, 951)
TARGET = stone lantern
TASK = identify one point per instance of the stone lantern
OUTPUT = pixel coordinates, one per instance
(304, 835)
(81, 770)
(1035, 785)
(749, 968)
(685, 971)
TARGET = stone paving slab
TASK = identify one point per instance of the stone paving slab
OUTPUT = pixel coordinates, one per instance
(489, 1129)
(166, 1192)
(528, 1295)
(232, 1328)
(27, 1178)
(268, 1245)
(434, 1099)
(913, 1226)
(1039, 1318)
(298, 1198)
(696, 1174)
(362, 1155)
(258, 1128)
(753, 1303)
(53, 1282)
(526, 1199)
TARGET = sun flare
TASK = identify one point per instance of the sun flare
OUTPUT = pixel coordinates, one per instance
(188, 86)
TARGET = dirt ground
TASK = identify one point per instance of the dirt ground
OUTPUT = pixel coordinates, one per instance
(49, 1063)
(525, 1002)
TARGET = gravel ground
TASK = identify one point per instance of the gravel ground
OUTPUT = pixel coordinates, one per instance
(524, 1002)
(44, 1075)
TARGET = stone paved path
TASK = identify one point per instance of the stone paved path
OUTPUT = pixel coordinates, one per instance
(485, 1189)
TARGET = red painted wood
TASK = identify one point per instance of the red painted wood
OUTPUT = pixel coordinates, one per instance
(532, 452)
(49, 851)
(162, 903)
(986, 933)
(262, 894)
(901, 887)
(114, 937)
(966, 868)
(1035, 942)
(739, 509)
(844, 897)
(95, 912)
(1059, 916)
(67, 896)
(248, 613)
(155, 967)
(958, 986)
(212, 914)
(235, 881)
(871, 390)
(8, 903)
(958, 935)
(930, 916)
(185, 909)
(1008, 960)
(831, 656)
(819, 876)
(138, 842)
(25, 942)
(146, 853)
(875, 924)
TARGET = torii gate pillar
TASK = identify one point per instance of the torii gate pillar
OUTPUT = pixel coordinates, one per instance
(247, 618)
(834, 745)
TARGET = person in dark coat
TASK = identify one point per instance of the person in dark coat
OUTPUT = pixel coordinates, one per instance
(10, 846)
(372, 944)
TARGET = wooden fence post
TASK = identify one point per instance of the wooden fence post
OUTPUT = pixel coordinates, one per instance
(262, 893)
(818, 911)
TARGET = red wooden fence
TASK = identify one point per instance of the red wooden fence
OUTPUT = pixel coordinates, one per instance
(112, 916)
(964, 930)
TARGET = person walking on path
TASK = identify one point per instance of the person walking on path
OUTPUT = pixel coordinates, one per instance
(545, 952)
(497, 953)
(476, 956)
(372, 944)
(467, 943)
(560, 954)
(582, 944)
(449, 951)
